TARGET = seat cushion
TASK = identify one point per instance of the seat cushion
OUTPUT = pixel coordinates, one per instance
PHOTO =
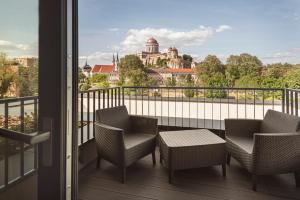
(278, 122)
(138, 145)
(241, 149)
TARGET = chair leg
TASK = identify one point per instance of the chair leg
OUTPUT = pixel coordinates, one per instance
(228, 158)
(153, 158)
(224, 170)
(297, 178)
(254, 182)
(123, 174)
(98, 162)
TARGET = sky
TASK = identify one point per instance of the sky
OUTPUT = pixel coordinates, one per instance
(269, 29)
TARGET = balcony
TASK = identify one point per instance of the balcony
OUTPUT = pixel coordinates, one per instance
(176, 109)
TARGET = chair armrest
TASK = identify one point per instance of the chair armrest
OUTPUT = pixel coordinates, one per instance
(108, 137)
(242, 127)
(276, 152)
(144, 124)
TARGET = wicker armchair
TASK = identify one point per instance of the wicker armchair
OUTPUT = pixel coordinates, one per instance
(265, 147)
(123, 139)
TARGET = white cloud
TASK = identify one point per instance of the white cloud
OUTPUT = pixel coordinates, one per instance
(97, 58)
(223, 28)
(10, 46)
(113, 29)
(136, 38)
(289, 56)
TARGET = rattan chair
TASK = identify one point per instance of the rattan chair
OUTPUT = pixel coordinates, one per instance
(123, 139)
(265, 147)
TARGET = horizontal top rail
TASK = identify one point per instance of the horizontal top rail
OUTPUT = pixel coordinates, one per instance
(17, 99)
(32, 138)
(99, 89)
(203, 88)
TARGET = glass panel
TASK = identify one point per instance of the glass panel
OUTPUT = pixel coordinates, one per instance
(18, 78)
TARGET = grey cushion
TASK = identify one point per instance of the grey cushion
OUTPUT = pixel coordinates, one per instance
(278, 122)
(118, 118)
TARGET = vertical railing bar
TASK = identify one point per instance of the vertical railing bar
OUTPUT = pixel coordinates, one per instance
(99, 97)
(168, 106)
(112, 98)
(142, 101)
(254, 104)
(212, 110)
(88, 115)
(204, 109)
(228, 103)
(161, 106)
(35, 119)
(6, 114)
(287, 101)
(237, 103)
(108, 97)
(197, 93)
(273, 99)
(292, 102)
(81, 118)
(155, 94)
(263, 103)
(103, 98)
(283, 100)
(94, 112)
(182, 92)
(148, 101)
(116, 95)
(175, 100)
(22, 129)
(123, 96)
(136, 101)
(189, 98)
(220, 101)
(129, 99)
(296, 104)
(245, 102)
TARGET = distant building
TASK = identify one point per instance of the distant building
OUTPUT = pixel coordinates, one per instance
(110, 70)
(152, 56)
(86, 69)
(26, 62)
(174, 73)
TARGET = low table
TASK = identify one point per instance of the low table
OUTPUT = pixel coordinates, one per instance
(191, 149)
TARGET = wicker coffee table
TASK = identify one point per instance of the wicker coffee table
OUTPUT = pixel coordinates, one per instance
(191, 149)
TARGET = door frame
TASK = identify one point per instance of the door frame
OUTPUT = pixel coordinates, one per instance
(58, 50)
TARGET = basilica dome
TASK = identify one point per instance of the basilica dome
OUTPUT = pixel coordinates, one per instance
(152, 41)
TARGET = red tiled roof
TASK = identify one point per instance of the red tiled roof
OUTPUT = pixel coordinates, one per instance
(103, 68)
(180, 70)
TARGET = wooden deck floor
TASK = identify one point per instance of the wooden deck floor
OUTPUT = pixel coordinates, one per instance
(145, 182)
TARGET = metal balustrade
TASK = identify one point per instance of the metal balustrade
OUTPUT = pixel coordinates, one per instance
(185, 107)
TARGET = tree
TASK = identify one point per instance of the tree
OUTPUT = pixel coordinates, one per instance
(170, 82)
(81, 76)
(100, 80)
(211, 72)
(133, 72)
(27, 80)
(187, 57)
(84, 86)
(242, 65)
(6, 77)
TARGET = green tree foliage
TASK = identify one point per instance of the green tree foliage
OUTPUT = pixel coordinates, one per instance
(6, 77)
(187, 57)
(189, 82)
(242, 65)
(28, 80)
(100, 80)
(170, 82)
(84, 86)
(133, 72)
(81, 76)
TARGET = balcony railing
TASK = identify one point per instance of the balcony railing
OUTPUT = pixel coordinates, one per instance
(187, 107)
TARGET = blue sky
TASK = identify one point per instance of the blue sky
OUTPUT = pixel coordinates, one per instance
(269, 29)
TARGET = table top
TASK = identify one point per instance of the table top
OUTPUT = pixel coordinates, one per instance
(185, 138)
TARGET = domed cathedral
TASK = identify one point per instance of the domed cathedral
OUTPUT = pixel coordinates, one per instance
(152, 46)
(151, 56)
